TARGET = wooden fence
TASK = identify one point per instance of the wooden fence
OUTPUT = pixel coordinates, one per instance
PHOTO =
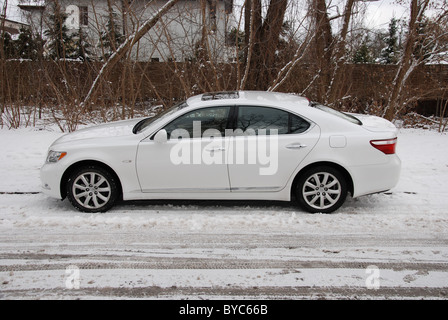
(51, 83)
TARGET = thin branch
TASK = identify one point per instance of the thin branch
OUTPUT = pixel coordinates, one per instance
(285, 72)
(126, 46)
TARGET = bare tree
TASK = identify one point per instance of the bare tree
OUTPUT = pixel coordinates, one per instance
(409, 61)
(2, 59)
(301, 53)
(262, 39)
(334, 90)
(323, 46)
(130, 41)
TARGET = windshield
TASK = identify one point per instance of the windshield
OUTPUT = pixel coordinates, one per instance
(143, 124)
(337, 113)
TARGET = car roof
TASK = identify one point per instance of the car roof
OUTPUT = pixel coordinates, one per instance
(285, 100)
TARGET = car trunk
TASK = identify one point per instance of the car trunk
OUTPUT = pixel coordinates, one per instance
(376, 124)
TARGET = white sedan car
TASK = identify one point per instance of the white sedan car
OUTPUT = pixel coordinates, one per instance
(244, 145)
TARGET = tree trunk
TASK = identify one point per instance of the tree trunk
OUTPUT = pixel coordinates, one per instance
(323, 47)
(2, 62)
(262, 39)
(268, 42)
(113, 43)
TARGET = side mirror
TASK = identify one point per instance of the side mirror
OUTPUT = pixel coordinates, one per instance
(161, 136)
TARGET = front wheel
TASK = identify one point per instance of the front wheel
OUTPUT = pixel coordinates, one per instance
(321, 189)
(92, 189)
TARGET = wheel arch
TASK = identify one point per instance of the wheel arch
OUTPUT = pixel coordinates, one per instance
(347, 176)
(86, 163)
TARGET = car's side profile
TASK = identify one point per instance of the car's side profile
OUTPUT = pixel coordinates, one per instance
(245, 145)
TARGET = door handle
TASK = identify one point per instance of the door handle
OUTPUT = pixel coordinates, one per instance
(296, 146)
(215, 149)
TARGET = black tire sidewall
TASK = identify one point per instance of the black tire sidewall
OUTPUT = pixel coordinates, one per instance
(106, 174)
(304, 177)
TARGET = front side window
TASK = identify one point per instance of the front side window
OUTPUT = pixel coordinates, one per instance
(143, 124)
(253, 119)
(197, 123)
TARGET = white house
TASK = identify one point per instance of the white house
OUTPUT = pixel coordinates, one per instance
(10, 26)
(175, 37)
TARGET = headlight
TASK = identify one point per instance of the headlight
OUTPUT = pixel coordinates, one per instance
(55, 156)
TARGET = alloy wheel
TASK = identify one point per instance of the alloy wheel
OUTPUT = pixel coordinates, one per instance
(91, 190)
(321, 189)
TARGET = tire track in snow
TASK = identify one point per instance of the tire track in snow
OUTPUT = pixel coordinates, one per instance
(307, 292)
(36, 262)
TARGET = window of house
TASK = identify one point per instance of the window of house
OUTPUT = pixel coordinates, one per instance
(84, 15)
(213, 26)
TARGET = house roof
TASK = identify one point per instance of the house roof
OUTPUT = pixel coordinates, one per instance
(32, 4)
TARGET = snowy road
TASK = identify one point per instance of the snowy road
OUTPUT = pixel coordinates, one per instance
(392, 245)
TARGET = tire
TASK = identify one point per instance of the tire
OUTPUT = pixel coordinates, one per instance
(92, 189)
(321, 189)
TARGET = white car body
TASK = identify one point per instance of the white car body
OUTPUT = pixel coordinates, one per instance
(144, 169)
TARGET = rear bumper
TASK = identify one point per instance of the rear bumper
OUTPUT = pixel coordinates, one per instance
(376, 178)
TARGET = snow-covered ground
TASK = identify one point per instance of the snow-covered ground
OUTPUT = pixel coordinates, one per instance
(391, 245)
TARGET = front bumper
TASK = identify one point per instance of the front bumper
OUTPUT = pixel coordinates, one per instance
(50, 176)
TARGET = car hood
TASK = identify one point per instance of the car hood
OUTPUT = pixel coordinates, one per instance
(112, 129)
(374, 123)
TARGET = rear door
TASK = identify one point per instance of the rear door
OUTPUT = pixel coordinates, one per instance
(267, 146)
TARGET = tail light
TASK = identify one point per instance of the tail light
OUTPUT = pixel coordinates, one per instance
(386, 146)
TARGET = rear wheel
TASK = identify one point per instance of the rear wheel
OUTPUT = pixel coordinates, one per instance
(321, 189)
(92, 189)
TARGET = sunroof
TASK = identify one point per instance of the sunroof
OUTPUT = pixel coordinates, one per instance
(220, 95)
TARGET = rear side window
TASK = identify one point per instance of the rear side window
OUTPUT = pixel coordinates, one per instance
(252, 118)
(339, 114)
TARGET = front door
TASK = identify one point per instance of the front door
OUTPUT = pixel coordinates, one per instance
(193, 158)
